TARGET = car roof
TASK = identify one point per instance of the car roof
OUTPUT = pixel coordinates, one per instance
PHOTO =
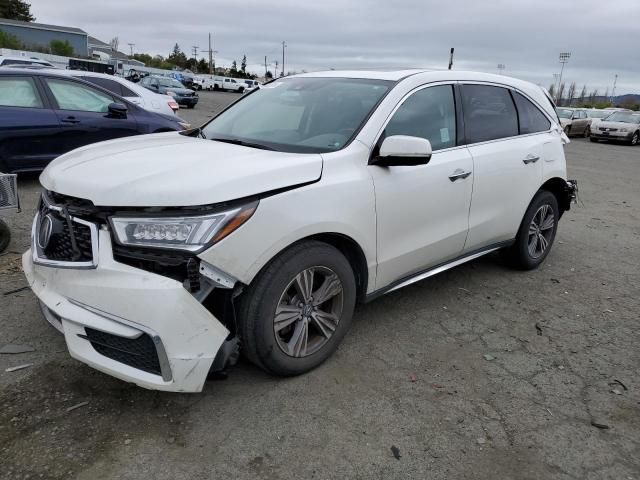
(8, 57)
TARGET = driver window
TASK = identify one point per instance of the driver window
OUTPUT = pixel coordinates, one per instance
(429, 113)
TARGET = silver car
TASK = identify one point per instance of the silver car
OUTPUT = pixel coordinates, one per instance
(619, 126)
(574, 121)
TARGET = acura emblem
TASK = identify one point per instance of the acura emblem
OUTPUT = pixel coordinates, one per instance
(44, 231)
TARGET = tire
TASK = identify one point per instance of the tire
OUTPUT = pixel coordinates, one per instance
(5, 236)
(190, 106)
(567, 130)
(240, 90)
(521, 253)
(276, 288)
(587, 132)
(215, 87)
(634, 139)
(594, 140)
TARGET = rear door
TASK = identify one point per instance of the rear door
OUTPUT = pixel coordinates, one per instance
(508, 147)
(28, 126)
(83, 113)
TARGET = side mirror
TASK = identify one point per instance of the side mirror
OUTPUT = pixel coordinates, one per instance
(403, 150)
(117, 110)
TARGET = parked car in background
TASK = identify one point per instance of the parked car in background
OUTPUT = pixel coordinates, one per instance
(9, 61)
(620, 126)
(269, 223)
(203, 83)
(133, 92)
(185, 78)
(172, 87)
(43, 115)
(251, 85)
(574, 121)
(597, 114)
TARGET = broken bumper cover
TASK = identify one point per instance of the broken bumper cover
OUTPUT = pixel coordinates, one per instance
(134, 325)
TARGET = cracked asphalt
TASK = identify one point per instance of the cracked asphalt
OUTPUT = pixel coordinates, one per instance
(481, 372)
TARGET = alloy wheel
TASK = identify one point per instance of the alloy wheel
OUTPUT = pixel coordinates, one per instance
(541, 231)
(308, 311)
(634, 139)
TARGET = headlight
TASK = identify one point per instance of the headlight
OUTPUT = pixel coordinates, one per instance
(193, 233)
(623, 130)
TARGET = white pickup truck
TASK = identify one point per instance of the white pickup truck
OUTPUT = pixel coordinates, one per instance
(219, 83)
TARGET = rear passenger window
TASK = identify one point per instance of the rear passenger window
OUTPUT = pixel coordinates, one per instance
(532, 120)
(489, 113)
(107, 84)
(429, 113)
(19, 92)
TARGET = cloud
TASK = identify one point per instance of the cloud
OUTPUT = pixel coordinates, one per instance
(525, 35)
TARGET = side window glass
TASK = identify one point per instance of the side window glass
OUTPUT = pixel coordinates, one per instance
(489, 113)
(127, 92)
(429, 113)
(73, 96)
(111, 85)
(532, 120)
(19, 92)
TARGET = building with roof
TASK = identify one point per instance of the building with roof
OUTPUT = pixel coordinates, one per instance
(40, 35)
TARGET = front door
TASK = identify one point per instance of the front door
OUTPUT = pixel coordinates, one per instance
(83, 113)
(422, 211)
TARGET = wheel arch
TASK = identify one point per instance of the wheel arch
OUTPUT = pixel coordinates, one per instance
(558, 187)
(352, 251)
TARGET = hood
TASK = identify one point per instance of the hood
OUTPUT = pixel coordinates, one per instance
(179, 91)
(173, 170)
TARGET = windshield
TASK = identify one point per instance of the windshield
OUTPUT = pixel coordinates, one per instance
(169, 82)
(598, 113)
(624, 117)
(564, 112)
(300, 115)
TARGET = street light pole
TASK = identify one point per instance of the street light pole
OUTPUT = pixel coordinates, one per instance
(283, 45)
(131, 45)
(564, 58)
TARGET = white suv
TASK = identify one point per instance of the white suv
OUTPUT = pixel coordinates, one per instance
(162, 257)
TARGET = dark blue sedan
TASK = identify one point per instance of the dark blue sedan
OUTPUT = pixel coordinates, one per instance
(43, 115)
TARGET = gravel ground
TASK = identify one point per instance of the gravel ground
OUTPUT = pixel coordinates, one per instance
(478, 373)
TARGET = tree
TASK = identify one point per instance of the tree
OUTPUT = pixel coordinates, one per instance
(177, 57)
(583, 94)
(560, 93)
(203, 66)
(9, 41)
(571, 92)
(268, 75)
(16, 10)
(243, 65)
(606, 95)
(61, 47)
(593, 96)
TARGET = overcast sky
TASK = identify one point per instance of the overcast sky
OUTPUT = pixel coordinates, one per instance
(525, 35)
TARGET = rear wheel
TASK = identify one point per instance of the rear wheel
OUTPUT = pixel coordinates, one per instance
(5, 236)
(594, 140)
(587, 131)
(634, 139)
(299, 308)
(537, 232)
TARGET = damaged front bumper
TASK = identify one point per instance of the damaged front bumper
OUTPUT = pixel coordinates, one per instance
(136, 325)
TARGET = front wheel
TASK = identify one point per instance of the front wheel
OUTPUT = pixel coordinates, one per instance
(5, 236)
(567, 130)
(635, 139)
(587, 132)
(594, 140)
(296, 312)
(537, 232)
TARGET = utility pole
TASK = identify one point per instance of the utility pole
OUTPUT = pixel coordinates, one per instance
(613, 92)
(283, 45)
(131, 45)
(210, 56)
(265, 68)
(564, 58)
(451, 58)
(275, 70)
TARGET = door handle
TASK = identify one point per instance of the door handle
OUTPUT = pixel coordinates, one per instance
(70, 120)
(458, 174)
(530, 159)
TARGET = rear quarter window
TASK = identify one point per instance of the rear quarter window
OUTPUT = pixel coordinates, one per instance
(531, 119)
(19, 92)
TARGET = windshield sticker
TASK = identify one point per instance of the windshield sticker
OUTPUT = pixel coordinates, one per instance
(444, 135)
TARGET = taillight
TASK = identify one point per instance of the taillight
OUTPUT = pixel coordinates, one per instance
(174, 106)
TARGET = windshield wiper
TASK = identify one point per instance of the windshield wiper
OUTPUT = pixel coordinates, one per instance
(237, 141)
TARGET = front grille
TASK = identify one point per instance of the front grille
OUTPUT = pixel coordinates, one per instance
(138, 352)
(606, 129)
(61, 237)
(60, 246)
